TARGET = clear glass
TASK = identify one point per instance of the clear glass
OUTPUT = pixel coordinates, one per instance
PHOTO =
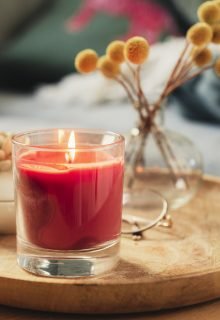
(68, 201)
(175, 173)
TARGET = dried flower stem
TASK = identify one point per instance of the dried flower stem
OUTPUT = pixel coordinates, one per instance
(168, 154)
(178, 64)
(160, 138)
(180, 74)
(188, 78)
(175, 71)
(185, 70)
(140, 93)
(159, 141)
(137, 158)
(124, 85)
(130, 68)
(135, 103)
(128, 81)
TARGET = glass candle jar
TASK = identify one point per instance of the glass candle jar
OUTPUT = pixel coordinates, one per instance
(68, 188)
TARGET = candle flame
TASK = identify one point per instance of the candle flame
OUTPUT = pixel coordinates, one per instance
(70, 155)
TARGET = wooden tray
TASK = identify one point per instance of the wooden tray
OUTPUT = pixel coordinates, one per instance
(168, 269)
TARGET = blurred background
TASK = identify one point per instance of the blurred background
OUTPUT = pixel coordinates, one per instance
(38, 88)
(39, 38)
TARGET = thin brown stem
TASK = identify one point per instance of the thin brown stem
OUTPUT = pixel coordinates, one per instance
(179, 61)
(168, 155)
(130, 84)
(143, 106)
(185, 70)
(137, 158)
(124, 85)
(188, 65)
(141, 94)
(130, 68)
(186, 79)
(172, 76)
(130, 96)
(164, 154)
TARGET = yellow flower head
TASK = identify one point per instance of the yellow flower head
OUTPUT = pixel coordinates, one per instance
(217, 67)
(115, 51)
(200, 34)
(216, 34)
(217, 2)
(109, 68)
(137, 50)
(86, 61)
(201, 57)
(209, 12)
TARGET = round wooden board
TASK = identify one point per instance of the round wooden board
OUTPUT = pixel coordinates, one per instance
(169, 268)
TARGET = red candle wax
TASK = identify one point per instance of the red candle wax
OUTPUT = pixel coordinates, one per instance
(70, 206)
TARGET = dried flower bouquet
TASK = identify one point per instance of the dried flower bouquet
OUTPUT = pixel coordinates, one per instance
(195, 58)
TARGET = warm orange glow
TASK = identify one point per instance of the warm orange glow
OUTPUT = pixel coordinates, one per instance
(61, 134)
(70, 155)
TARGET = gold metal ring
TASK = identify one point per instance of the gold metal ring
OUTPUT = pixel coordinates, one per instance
(163, 219)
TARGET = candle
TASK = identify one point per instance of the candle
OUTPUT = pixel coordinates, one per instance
(73, 207)
(69, 194)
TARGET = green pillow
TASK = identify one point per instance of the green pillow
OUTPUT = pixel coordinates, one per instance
(45, 51)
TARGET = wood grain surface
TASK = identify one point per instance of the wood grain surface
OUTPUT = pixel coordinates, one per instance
(205, 311)
(167, 269)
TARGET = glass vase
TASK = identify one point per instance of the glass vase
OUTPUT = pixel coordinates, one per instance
(165, 161)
